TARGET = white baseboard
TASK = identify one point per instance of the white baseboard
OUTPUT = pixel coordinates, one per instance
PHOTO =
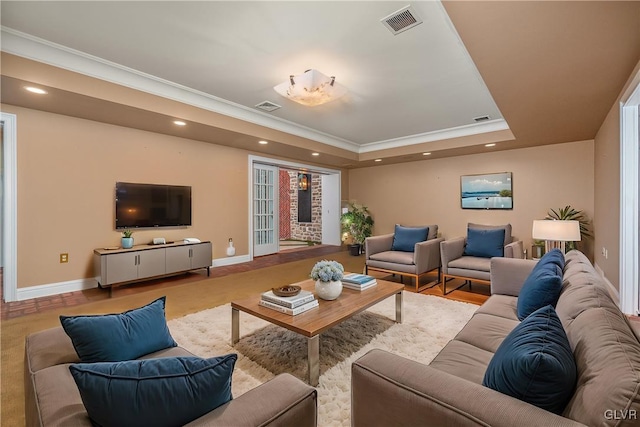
(220, 262)
(612, 290)
(56, 288)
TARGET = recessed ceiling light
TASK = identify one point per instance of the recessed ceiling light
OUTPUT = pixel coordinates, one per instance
(263, 142)
(426, 154)
(315, 154)
(377, 160)
(35, 90)
(179, 123)
(490, 145)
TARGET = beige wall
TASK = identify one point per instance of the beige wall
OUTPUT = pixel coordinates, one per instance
(428, 191)
(607, 186)
(67, 170)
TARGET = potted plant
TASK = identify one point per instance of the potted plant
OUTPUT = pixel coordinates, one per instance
(127, 240)
(357, 225)
(570, 214)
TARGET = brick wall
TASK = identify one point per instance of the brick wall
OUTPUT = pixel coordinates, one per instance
(305, 230)
(285, 205)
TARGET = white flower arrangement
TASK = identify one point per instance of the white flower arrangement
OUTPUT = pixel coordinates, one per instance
(327, 271)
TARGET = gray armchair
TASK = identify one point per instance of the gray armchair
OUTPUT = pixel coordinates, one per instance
(458, 265)
(424, 258)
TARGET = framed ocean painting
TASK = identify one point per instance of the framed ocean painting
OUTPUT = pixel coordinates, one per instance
(486, 191)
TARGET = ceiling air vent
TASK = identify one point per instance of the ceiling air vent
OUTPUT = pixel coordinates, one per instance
(481, 119)
(401, 20)
(268, 106)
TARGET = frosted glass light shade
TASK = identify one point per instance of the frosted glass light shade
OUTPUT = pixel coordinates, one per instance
(311, 88)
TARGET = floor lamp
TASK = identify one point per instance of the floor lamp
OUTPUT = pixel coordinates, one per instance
(556, 233)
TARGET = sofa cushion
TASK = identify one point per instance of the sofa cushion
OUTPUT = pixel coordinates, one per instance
(118, 337)
(486, 331)
(463, 360)
(484, 243)
(405, 238)
(158, 392)
(543, 285)
(534, 363)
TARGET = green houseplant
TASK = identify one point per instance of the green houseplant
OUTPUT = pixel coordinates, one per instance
(127, 240)
(570, 214)
(357, 225)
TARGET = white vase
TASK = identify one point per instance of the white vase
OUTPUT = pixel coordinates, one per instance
(231, 251)
(328, 290)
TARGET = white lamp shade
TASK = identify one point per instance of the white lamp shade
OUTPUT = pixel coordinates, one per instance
(558, 230)
(311, 88)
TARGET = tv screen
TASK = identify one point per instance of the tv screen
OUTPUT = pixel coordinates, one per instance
(151, 205)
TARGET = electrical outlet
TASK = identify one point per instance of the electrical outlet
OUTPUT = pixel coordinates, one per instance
(64, 258)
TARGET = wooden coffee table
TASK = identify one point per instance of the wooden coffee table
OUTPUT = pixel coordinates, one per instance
(313, 322)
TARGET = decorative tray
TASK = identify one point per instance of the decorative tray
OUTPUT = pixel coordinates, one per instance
(286, 291)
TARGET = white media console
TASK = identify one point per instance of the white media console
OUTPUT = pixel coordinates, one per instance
(115, 267)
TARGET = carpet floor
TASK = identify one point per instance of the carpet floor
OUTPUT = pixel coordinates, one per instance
(265, 350)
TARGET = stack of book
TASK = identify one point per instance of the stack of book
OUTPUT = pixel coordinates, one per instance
(358, 282)
(296, 304)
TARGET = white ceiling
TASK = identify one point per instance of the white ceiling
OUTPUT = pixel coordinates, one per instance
(420, 85)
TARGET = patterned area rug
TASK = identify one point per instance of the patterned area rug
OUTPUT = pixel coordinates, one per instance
(266, 350)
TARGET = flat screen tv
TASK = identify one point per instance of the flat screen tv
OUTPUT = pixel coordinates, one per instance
(152, 205)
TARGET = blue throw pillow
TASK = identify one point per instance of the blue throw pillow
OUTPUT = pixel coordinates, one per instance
(117, 337)
(485, 243)
(405, 238)
(543, 285)
(534, 363)
(169, 391)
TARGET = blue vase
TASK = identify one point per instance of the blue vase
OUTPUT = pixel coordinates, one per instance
(127, 242)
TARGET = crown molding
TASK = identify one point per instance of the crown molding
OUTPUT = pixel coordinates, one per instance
(40, 50)
(439, 135)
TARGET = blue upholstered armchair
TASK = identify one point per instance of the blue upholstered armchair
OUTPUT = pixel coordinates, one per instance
(469, 258)
(409, 251)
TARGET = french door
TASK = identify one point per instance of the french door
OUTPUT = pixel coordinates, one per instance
(265, 206)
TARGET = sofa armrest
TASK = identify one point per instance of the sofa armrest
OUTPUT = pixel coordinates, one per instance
(387, 389)
(377, 244)
(514, 250)
(508, 275)
(451, 249)
(426, 255)
(282, 401)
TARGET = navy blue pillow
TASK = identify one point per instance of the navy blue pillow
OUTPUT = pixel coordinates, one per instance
(485, 243)
(170, 391)
(117, 337)
(405, 238)
(543, 285)
(534, 363)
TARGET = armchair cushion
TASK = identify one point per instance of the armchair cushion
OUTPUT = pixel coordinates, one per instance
(534, 363)
(405, 238)
(395, 257)
(485, 243)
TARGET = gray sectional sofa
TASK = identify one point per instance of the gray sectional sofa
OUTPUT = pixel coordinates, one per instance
(390, 390)
(53, 399)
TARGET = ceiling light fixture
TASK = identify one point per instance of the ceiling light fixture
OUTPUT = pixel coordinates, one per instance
(490, 145)
(311, 88)
(377, 160)
(315, 154)
(179, 123)
(263, 142)
(36, 90)
(426, 154)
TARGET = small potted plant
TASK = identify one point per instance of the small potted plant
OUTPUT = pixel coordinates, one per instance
(328, 277)
(127, 240)
(357, 225)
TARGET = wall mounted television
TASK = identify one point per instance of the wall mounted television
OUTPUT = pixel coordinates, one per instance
(152, 205)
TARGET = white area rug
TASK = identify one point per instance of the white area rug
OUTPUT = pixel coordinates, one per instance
(266, 350)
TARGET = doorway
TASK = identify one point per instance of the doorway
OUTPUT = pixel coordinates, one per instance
(8, 203)
(265, 191)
